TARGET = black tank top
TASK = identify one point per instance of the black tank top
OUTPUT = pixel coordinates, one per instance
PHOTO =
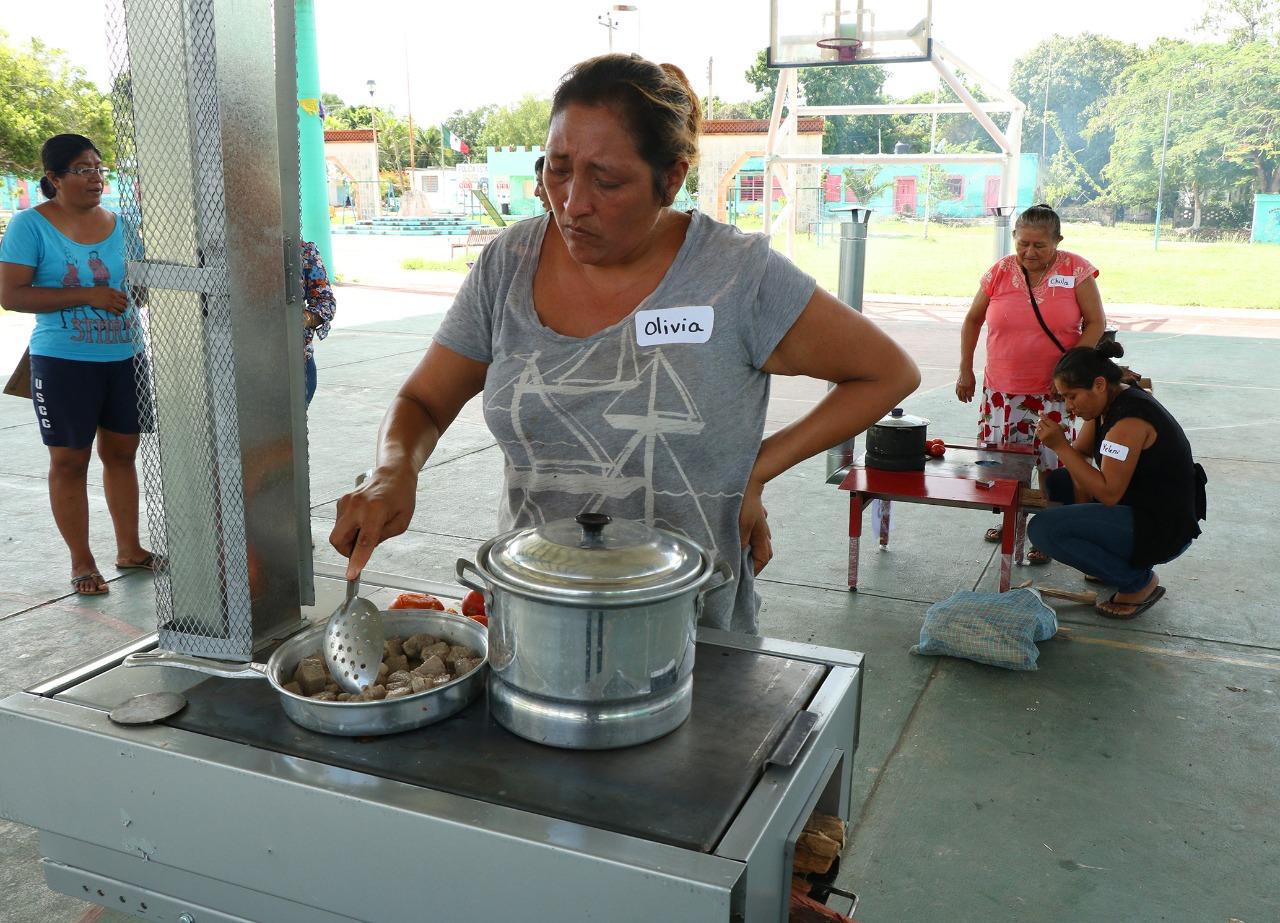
(1167, 489)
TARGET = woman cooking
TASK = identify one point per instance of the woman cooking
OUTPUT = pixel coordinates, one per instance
(1037, 303)
(1140, 505)
(624, 349)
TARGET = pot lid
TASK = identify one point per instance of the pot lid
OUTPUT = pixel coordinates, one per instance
(899, 418)
(596, 556)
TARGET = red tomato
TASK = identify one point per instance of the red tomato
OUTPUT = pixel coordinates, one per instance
(937, 450)
(482, 619)
(932, 442)
(473, 604)
(417, 601)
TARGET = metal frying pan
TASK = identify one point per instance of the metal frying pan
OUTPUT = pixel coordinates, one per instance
(354, 719)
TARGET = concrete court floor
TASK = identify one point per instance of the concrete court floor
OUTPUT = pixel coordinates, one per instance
(1132, 777)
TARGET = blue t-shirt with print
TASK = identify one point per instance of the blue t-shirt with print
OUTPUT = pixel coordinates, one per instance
(80, 332)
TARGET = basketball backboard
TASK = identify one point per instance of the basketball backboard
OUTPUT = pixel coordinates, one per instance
(808, 33)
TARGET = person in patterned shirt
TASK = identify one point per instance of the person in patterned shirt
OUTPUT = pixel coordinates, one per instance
(319, 309)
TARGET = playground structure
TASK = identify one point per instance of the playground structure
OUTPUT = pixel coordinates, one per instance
(839, 33)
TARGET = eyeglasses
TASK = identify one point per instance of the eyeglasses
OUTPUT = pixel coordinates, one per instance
(87, 171)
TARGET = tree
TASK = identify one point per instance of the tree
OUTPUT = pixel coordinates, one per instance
(469, 126)
(1224, 127)
(829, 86)
(1242, 21)
(1080, 73)
(956, 131)
(523, 123)
(45, 95)
(864, 184)
(715, 107)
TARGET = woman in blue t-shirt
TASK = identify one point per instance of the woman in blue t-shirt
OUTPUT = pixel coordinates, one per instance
(63, 261)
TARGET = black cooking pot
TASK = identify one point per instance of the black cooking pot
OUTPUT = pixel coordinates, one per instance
(897, 442)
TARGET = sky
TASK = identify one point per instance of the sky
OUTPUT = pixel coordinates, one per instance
(448, 56)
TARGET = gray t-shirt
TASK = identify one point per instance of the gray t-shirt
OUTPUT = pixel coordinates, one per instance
(664, 433)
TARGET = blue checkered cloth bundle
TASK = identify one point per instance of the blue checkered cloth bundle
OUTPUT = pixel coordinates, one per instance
(1000, 629)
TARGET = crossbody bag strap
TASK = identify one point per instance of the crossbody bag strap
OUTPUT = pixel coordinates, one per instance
(1035, 307)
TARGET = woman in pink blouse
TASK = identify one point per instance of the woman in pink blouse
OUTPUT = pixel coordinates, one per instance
(1037, 303)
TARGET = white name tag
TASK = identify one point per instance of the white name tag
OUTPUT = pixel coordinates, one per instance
(1062, 282)
(675, 325)
(1115, 450)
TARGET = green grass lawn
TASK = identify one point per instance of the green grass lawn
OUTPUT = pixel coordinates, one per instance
(951, 261)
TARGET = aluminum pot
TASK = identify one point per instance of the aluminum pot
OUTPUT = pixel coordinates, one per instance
(591, 628)
(897, 442)
(353, 719)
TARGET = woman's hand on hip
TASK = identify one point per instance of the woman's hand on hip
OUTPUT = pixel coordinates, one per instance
(377, 510)
(966, 385)
(107, 299)
(753, 526)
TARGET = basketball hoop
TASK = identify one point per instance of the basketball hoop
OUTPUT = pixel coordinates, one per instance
(846, 49)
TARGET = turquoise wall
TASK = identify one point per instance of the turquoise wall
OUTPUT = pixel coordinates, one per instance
(972, 181)
(1266, 219)
(514, 166)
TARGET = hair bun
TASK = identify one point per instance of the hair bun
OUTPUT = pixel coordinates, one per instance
(1109, 348)
(46, 187)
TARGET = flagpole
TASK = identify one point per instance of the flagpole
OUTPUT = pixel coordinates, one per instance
(408, 92)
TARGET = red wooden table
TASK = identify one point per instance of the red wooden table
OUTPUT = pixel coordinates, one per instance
(958, 480)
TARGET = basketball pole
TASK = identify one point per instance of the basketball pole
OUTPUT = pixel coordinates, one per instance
(1164, 147)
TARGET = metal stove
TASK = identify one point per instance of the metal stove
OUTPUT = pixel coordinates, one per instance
(228, 812)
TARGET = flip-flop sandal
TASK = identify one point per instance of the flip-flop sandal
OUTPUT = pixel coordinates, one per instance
(1037, 558)
(1089, 578)
(1152, 598)
(150, 562)
(91, 580)
(993, 534)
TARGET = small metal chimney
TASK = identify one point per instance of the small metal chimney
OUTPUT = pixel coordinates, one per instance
(212, 186)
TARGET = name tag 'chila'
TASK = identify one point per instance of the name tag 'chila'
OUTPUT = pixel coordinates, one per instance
(1061, 281)
(674, 325)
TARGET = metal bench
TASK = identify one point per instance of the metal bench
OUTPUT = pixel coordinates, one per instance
(476, 237)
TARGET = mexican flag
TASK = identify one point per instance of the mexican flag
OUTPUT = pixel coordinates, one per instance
(454, 143)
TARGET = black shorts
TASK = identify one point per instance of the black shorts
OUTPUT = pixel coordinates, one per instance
(73, 398)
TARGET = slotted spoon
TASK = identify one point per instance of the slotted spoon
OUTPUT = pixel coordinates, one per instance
(353, 641)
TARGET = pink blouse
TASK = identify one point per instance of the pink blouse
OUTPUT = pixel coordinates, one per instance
(1020, 355)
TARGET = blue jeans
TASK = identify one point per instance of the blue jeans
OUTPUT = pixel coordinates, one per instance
(311, 378)
(1092, 538)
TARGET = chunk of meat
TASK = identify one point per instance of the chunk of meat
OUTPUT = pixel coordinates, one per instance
(438, 648)
(325, 696)
(311, 676)
(432, 666)
(414, 644)
(457, 651)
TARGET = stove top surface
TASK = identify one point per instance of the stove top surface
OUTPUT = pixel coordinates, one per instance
(683, 789)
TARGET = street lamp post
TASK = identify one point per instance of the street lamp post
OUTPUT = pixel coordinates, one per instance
(609, 21)
(373, 123)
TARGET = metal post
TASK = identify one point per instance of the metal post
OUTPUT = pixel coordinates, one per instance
(853, 263)
(1004, 241)
(1164, 146)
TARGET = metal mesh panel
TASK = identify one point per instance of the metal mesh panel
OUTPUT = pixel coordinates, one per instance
(171, 172)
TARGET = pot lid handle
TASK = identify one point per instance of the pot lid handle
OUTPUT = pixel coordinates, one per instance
(896, 412)
(592, 528)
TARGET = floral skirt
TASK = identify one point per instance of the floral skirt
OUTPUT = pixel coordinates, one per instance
(1011, 418)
